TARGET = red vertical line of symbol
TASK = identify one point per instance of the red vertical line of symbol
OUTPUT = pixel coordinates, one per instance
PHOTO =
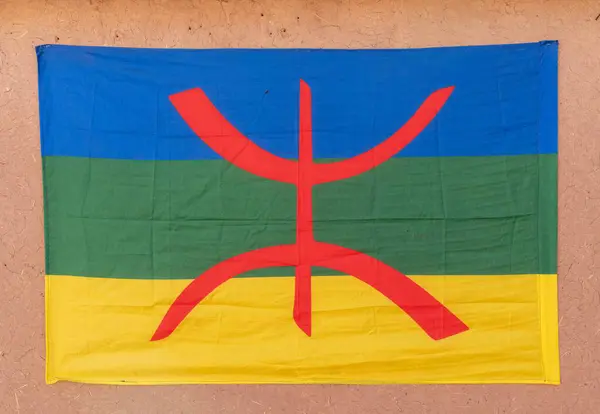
(304, 225)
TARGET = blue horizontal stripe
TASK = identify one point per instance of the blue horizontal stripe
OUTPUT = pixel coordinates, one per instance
(113, 102)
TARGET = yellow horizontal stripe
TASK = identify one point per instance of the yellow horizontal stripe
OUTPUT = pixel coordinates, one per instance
(98, 331)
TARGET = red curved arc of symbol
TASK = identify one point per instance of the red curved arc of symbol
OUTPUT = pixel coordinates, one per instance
(223, 138)
(203, 285)
(324, 173)
(433, 317)
(213, 128)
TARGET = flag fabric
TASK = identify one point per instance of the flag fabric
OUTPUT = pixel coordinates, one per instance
(300, 216)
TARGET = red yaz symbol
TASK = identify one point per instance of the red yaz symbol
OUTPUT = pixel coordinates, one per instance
(210, 125)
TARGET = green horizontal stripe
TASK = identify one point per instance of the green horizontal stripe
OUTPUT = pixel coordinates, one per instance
(175, 219)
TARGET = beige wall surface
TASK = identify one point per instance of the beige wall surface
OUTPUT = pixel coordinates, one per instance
(282, 24)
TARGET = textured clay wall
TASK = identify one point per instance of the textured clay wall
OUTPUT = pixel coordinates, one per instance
(282, 24)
